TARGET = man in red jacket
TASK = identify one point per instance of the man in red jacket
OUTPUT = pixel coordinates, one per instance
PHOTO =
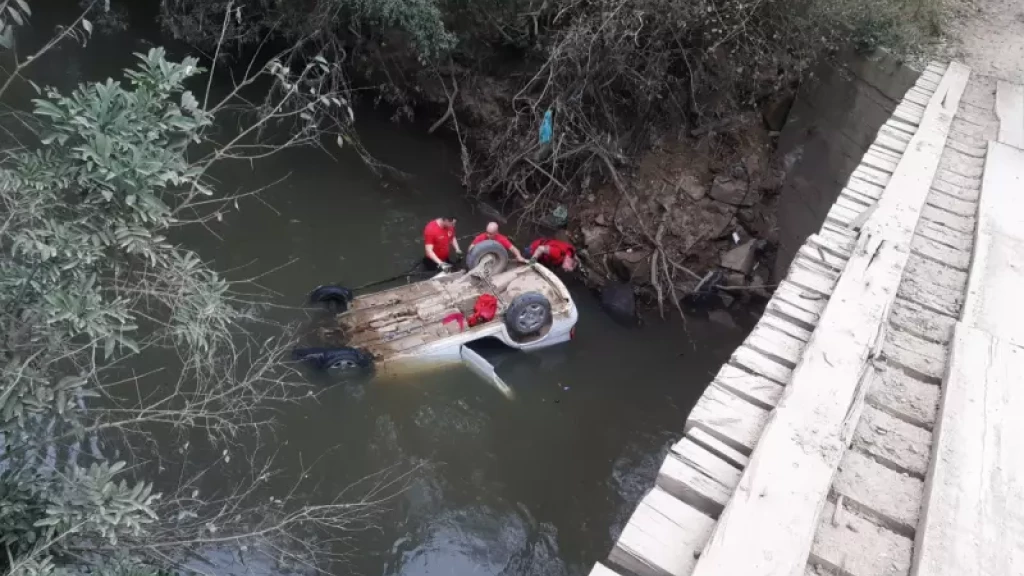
(438, 239)
(553, 253)
(492, 234)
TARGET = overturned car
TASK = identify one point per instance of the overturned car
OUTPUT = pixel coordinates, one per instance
(525, 306)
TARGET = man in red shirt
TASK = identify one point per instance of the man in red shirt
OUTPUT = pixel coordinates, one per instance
(438, 239)
(553, 253)
(492, 234)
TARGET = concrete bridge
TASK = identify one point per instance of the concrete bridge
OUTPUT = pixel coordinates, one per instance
(873, 423)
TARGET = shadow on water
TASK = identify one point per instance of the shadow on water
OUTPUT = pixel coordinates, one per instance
(537, 485)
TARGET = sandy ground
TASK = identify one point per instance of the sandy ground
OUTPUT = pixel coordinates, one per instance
(989, 37)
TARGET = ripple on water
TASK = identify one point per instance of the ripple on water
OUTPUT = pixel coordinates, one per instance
(479, 540)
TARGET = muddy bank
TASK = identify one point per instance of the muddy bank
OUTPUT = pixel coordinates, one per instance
(697, 199)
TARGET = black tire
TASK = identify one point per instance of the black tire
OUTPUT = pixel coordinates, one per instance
(335, 359)
(487, 250)
(527, 315)
(332, 296)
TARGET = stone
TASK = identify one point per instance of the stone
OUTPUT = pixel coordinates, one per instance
(691, 186)
(600, 220)
(775, 112)
(741, 258)
(735, 279)
(723, 318)
(630, 266)
(731, 191)
(596, 238)
(618, 299)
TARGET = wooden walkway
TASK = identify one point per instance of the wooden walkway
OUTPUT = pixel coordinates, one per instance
(872, 423)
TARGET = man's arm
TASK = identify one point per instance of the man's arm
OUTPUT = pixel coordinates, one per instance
(429, 250)
(455, 244)
(517, 254)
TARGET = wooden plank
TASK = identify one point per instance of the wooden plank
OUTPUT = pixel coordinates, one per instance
(896, 444)
(697, 477)
(841, 215)
(1004, 179)
(992, 301)
(938, 274)
(936, 67)
(890, 498)
(961, 192)
(757, 363)
(907, 115)
(953, 204)
(885, 152)
(890, 142)
(602, 570)
(851, 544)
(1010, 111)
(905, 397)
(859, 197)
(831, 243)
(783, 309)
(866, 188)
(973, 513)
(917, 97)
(923, 323)
(715, 446)
(729, 418)
(920, 357)
(928, 248)
(768, 526)
(661, 538)
(932, 297)
(855, 207)
(807, 300)
(946, 236)
(810, 281)
(755, 389)
(822, 258)
(777, 346)
(827, 274)
(828, 236)
(901, 126)
(776, 323)
(948, 219)
(872, 175)
(967, 149)
(879, 161)
(895, 133)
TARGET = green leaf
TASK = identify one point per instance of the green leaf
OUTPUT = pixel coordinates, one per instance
(7, 38)
(24, 7)
(87, 25)
(15, 15)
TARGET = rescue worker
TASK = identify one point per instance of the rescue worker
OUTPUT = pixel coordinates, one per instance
(492, 233)
(438, 240)
(553, 253)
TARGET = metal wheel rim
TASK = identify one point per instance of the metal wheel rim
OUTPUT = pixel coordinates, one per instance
(344, 365)
(531, 319)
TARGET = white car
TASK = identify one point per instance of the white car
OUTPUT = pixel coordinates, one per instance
(417, 325)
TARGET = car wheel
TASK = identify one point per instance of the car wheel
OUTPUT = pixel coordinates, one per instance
(527, 315)
(489, 253)
(342, 359)
(332, 296)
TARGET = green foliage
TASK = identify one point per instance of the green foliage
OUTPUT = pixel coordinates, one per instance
(202, 22)
(85, 261)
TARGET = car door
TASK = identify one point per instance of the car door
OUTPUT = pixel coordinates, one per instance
(482, 368)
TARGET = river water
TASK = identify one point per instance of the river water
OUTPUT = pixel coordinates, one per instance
(537, 485)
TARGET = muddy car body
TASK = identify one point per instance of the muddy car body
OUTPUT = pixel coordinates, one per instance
(426, 323)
